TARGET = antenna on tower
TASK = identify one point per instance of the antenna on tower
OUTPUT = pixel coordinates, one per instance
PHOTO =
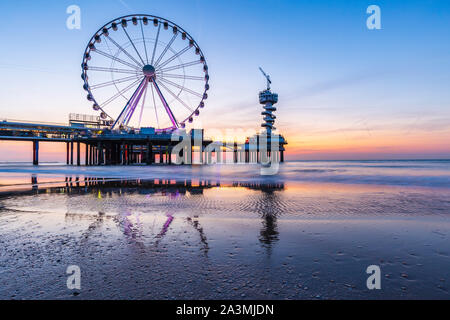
(269, 82)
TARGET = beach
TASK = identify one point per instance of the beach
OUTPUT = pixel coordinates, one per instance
(225, 231)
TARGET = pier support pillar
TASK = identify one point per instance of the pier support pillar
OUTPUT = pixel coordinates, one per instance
(86, 160)
(200, 151)
(78, 153)
(218, 156)
(130, 154)
(68, 151)
(282, 156)
(116, 153)
(35, 152)
(169, 154)
(108, 154)
(149, 159)
(182, 156)
(71, 153)
(122, 153)
(209, 155)
(100, 154)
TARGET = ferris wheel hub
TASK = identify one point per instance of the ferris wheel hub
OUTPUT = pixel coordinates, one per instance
(148, 70)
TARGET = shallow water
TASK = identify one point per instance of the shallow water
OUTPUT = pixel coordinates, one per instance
(428, 173)
(223, 232)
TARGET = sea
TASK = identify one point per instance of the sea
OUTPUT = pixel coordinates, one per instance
(307, 230)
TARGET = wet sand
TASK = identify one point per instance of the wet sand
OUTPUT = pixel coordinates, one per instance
(206, 239)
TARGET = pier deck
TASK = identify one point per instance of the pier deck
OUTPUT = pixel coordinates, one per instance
(102, 147)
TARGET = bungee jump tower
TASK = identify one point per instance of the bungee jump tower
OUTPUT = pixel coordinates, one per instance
(255, 146)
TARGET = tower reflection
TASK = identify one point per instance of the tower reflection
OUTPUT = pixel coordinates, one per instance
(267, 205)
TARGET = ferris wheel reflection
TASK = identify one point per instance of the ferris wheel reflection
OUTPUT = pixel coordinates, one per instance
(131, 221)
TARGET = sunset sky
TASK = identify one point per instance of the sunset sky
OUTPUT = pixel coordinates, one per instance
(346, 92)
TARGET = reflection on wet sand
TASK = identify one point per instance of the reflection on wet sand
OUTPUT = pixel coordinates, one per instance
(204, 239)
(196, 224)
(265, 205)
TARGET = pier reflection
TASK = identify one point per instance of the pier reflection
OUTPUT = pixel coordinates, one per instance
(265, 202)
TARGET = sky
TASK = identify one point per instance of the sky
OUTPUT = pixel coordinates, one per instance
(345, 92)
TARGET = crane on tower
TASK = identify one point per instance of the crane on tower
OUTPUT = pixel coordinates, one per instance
(269, 82)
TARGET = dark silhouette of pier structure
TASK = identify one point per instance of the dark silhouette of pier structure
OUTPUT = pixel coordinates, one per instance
(104, 147)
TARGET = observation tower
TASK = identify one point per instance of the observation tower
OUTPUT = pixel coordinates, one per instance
(268, 99)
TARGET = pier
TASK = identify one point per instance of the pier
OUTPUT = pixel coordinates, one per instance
(144, 146)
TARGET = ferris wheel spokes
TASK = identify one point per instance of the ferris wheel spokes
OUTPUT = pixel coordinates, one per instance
(126, 109)
(180, 76)
(176, 97)
(118, 94)
(113, 82)
(179, 53)
(140, 94)
(156, 44)
(107, 55)
(143, 104)
(166, 48)
(138, 64)
(166, 106)
(143, 40)
(180, 66)
(154, 104)
(132, 43)
(182, 87)
(104, 69)
(136, 102)
(147, 64)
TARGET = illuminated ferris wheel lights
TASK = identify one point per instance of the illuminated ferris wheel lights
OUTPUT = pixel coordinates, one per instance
(143, 64)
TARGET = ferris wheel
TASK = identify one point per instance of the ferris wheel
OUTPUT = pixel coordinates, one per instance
(145, 71)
